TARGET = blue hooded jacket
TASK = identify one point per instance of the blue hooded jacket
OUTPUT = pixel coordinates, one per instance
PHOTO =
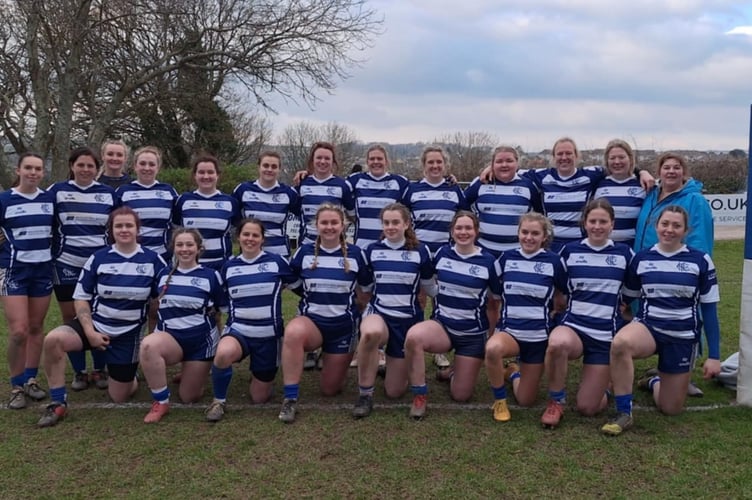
(690, 198)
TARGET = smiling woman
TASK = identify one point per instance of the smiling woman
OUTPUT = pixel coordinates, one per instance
(26, 218)
(110, 297)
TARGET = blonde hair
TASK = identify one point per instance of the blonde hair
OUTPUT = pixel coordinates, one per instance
(331, 207)
(148, 149)
(505, 149)
(619, 143)
(378, 147)
(433, 149)
(563, 140)
(113, 142)
(548, 228)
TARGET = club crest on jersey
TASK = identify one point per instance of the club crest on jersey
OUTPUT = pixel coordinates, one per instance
(46, 208)
(611, 260)
(100, 198)
(263, 268)
(446, 195)
(331, 191)
(518, 191)
(220, 205)
(141, 269)
(539, 268)
(195, 282)
(634, 191)
(405, 256)
(160, 194)
(474, 271)
(275, 198)
(683, 267)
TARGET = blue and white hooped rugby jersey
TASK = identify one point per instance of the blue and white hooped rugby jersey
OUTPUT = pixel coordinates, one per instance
(214, 216)
(328, 292)
(498, 206)
(596, 279)
(254, 288)
(271, 206)
(314, 192)
(398, 274)
(81, 216)
(118, 287)
(188, 299)
(154, 205)
(464, 282)
(371, 195)
(627, 197)
(564, 198)
(528, 286)
(433, 206)
(26, 221)
(671, 286)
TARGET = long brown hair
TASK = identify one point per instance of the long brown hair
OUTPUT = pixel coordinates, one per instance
(411, 239)
(322, 145)
(21, 158)
(199, 243)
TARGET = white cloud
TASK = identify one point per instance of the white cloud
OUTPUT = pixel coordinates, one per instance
(740, 30)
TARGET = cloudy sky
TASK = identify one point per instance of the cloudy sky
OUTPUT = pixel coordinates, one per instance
(663, 74)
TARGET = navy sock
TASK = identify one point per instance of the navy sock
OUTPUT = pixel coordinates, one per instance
(419, 390)
(18, 380)
(78, 361)
(499, 392)
(624, 403)
(291, 391)
(58, 395)
(30, 373)
(161, 394)
(221, 378)
(558, 396)
(100, 359)
(365, 391)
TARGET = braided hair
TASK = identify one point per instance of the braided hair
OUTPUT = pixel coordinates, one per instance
(199, 243)
(331, 207)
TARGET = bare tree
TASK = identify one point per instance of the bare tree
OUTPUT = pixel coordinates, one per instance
(468, 152)
(80, 70)
(296, 140)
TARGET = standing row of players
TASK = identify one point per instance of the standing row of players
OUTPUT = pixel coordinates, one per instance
(430, 199)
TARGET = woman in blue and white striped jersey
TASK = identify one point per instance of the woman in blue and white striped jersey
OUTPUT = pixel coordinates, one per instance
(328, 273)
(187, 331)
(210, 211)
(596, 268)
(111, 296)
(82, 208)
(465, 277)
(26, 217)
(677, 286)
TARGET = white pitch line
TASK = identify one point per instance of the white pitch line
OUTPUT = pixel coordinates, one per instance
(340, 406)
